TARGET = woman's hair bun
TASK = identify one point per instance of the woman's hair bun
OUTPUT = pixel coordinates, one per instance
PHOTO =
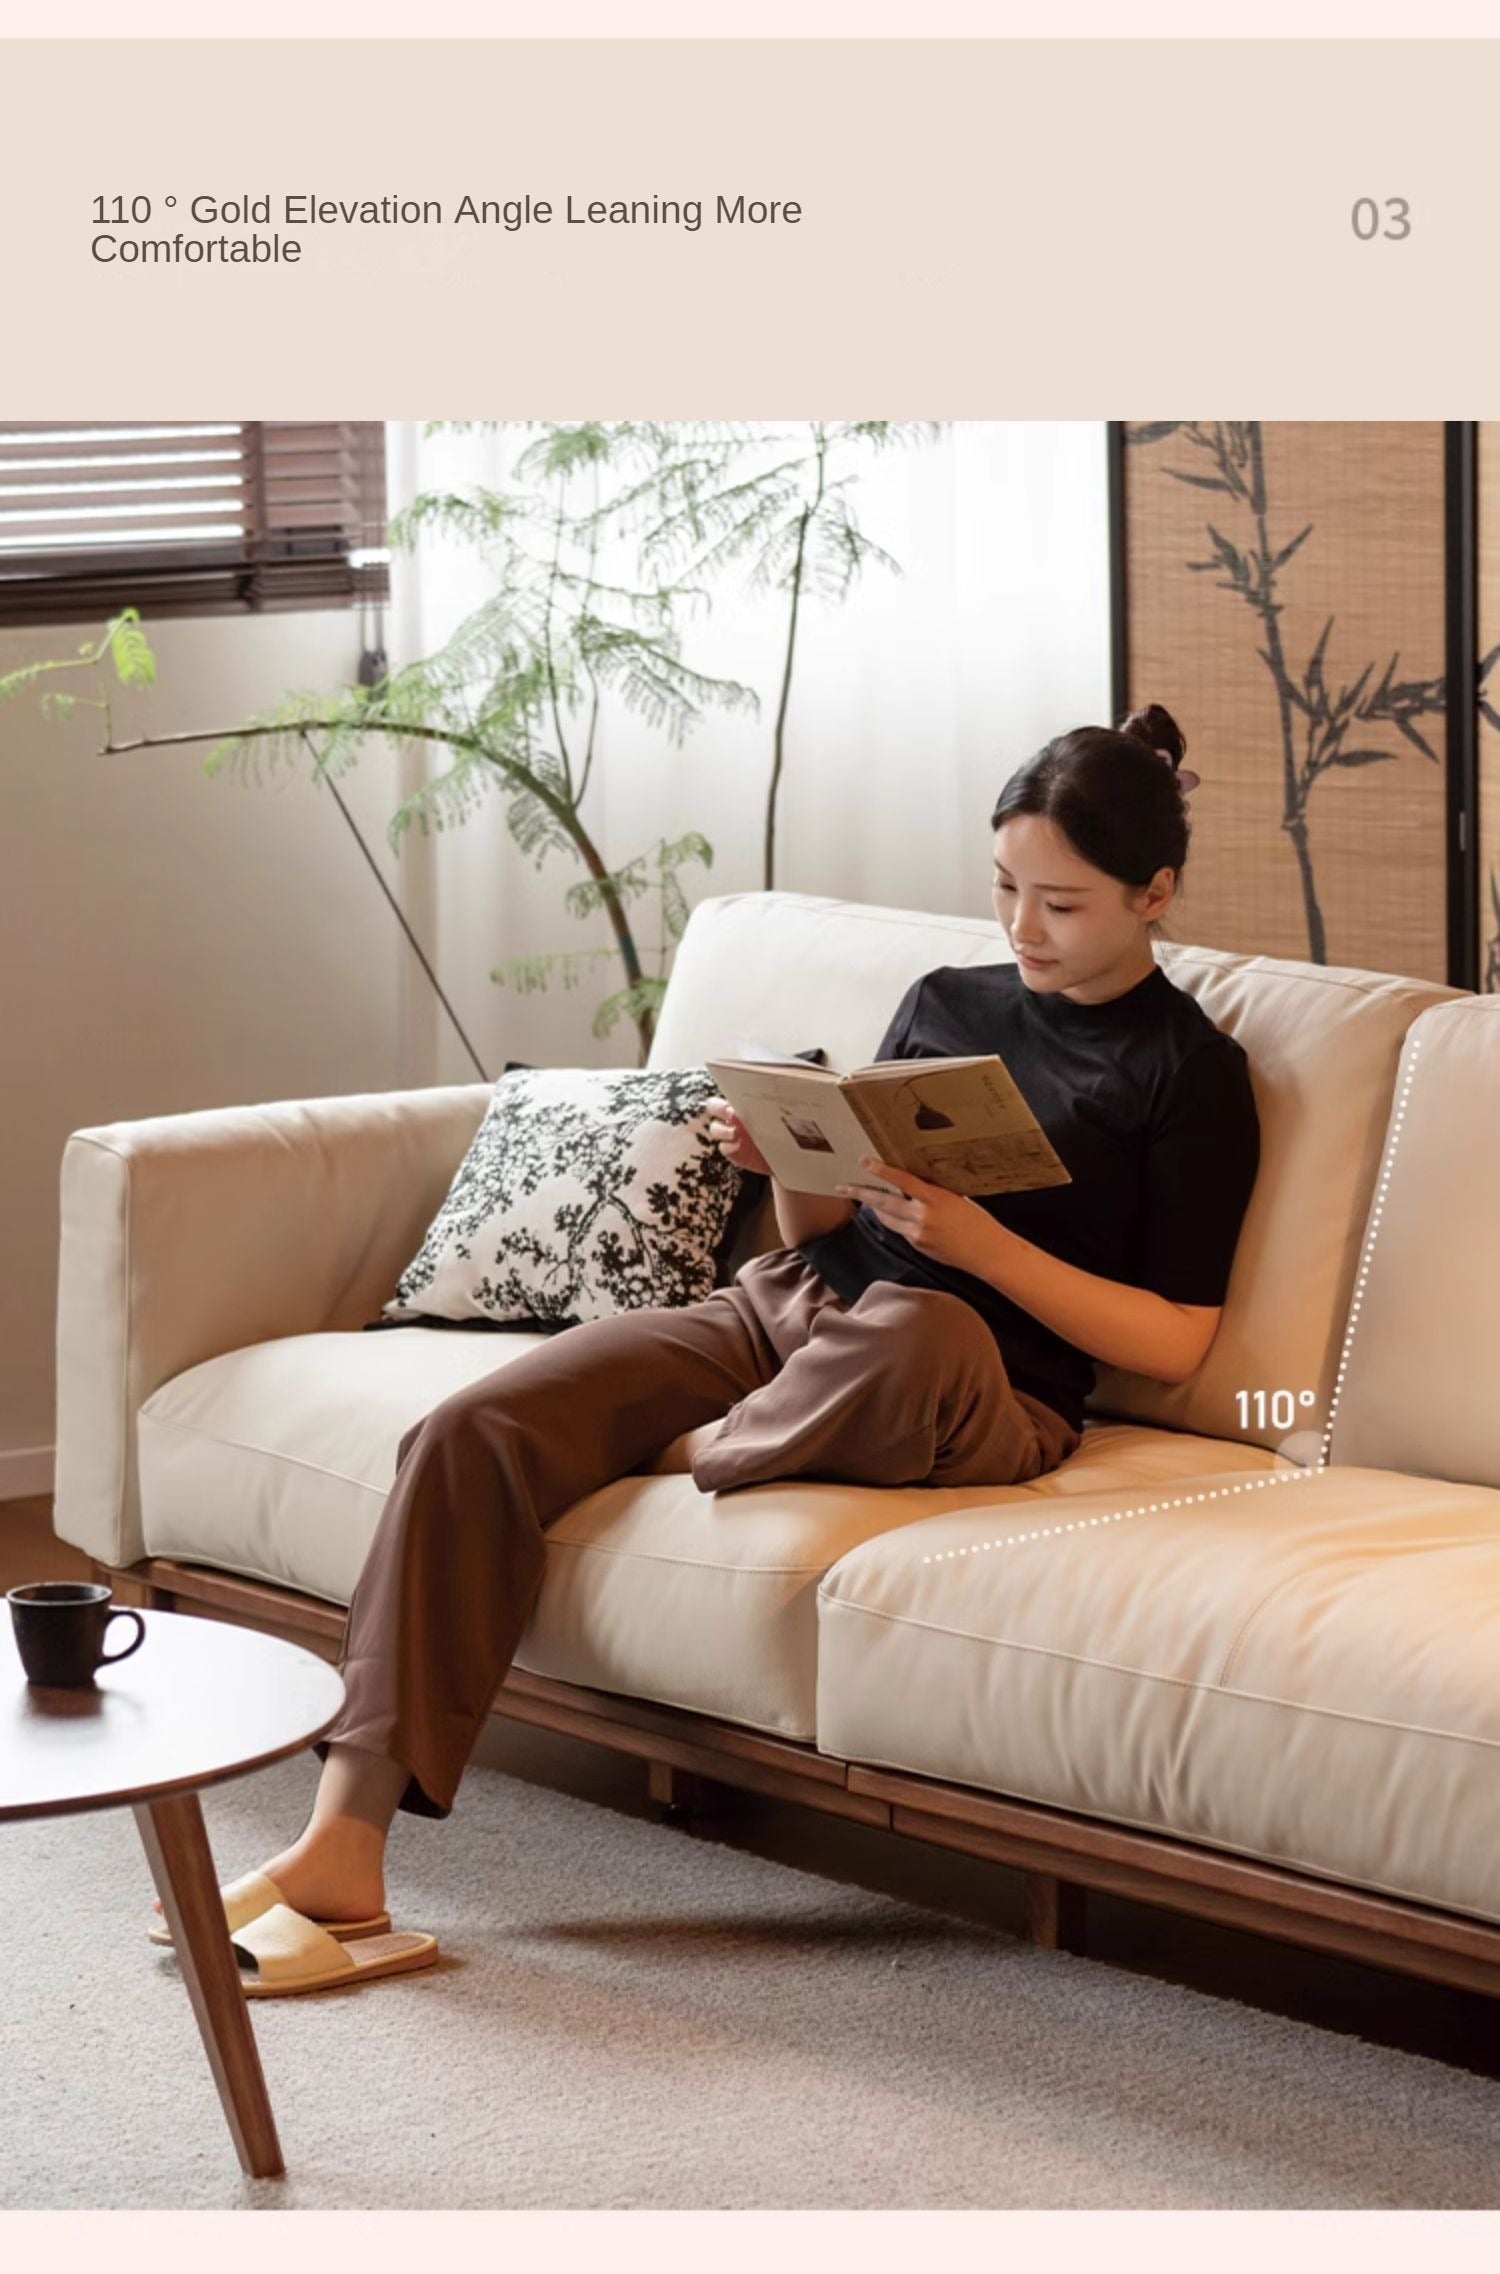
(1159, 731)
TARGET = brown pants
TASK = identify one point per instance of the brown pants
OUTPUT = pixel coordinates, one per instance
(905, 1386)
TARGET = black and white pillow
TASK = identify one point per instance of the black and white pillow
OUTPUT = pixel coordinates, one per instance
(585, 1192)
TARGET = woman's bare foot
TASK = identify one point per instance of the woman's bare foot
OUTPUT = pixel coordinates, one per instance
(336, 1869)
(336, 1872)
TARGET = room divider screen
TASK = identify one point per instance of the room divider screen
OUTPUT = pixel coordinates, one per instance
(1303, 597)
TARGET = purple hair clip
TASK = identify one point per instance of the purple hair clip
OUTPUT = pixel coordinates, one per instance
(1187, 780)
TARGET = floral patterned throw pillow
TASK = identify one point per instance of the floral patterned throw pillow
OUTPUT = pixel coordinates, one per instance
(585, 1192)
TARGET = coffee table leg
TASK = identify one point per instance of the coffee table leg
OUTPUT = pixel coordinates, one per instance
(183, 1868)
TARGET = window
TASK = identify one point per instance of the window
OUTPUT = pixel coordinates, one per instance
(177, 518)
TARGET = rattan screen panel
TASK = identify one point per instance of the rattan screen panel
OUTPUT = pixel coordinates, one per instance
(1313, 636)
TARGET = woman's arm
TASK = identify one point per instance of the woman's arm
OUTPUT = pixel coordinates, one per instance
(1117, 1324)
(808, 1215)
(799, 1215)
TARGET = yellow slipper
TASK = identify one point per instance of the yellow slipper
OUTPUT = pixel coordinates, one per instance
(249, 1898)
(283, 1955)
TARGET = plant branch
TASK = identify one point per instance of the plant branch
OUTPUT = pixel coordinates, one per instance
(400, 916)
(779, 738)
(562, 740)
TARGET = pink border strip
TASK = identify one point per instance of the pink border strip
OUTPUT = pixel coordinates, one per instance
(770, 19)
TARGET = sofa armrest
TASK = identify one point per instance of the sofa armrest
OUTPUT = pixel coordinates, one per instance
(197, 1233)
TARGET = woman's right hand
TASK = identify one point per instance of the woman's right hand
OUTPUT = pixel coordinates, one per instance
(734, 1139)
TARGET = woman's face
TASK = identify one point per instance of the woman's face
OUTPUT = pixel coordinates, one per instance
(1075, 931)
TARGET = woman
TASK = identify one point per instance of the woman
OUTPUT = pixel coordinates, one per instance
(895, 1339)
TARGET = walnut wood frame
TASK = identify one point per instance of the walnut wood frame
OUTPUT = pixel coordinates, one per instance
(1058, 1855)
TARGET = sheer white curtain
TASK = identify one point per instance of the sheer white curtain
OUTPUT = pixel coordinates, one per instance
(911, 702)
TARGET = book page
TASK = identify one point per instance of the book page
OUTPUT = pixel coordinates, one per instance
(893, 1069)
(802, 1121)
(961, 1124)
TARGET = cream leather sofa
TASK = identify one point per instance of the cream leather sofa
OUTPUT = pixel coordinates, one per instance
(1239, 1656)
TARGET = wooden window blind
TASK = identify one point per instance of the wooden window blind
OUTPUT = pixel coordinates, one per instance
(187, 518)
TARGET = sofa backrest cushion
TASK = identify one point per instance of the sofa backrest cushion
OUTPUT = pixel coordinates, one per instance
(1323, 1044)
(1419, 1392)
(789, 971)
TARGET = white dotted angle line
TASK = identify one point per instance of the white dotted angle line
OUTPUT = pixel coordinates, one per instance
(1374, 1233)
(1123, 1515)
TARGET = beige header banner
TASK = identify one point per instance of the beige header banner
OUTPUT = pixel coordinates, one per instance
(961, 229)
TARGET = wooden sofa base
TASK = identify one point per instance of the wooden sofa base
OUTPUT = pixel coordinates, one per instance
(1059, 1856)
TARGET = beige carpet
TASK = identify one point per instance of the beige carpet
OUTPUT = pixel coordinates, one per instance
(631, 2017)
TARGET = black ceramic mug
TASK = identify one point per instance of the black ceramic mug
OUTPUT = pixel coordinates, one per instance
(60, 1628)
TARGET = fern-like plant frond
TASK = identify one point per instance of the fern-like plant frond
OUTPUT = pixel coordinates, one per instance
(641, 1000)
(130, 650)
(327, 726)
(26, 675)
(536, 827)
(592, 893)
(479, 516)
(651, 678)
(533, 974)
(447, 800)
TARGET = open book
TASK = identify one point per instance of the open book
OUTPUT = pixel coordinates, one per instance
(958, 1122)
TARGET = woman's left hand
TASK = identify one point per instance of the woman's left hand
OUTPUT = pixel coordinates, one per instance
(939, 1223)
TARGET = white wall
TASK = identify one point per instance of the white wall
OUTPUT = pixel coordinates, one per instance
(169, 942)
(911, 704)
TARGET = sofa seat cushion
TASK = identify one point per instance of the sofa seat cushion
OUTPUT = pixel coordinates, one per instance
(709, 1601)
(1299, 1667)
(1115, 1455)
(274, 1462)
(705, 1601)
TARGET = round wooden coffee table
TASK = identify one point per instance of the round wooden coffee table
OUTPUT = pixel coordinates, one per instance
(202, 1702)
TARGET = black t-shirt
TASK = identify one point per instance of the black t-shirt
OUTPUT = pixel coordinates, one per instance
(1150, 1108)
